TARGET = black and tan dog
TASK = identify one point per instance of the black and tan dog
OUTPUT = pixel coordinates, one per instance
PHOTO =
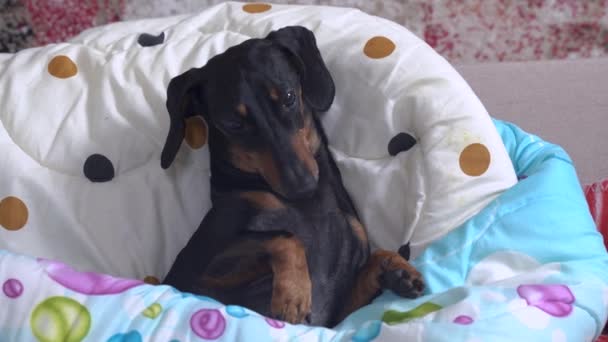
(282, 237)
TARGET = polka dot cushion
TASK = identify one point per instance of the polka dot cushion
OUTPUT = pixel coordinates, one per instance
(83, 124)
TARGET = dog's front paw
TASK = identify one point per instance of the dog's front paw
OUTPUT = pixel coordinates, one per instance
(402, 283)
(400, 277)
(291, 300)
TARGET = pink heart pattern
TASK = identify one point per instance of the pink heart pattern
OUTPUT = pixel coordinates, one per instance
(554, 299)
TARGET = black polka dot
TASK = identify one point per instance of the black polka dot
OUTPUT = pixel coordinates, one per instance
(404, 251)
(98, 168)
(400, 143)
(146, 39)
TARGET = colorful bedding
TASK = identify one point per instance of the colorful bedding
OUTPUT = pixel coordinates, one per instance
(529, 267)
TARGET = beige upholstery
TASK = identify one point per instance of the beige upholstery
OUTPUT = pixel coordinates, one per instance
(564, 102)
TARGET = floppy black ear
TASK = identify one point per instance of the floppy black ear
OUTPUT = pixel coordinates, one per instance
(183, 100)
(317, 85)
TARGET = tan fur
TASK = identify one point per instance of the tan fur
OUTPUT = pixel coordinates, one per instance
(243, 160)
(310, 132)
(274, 94)
(358, 229)
(292, 288)
(241, 109)
(267, 167)
(301, 146)
(257, 162)
(367, 284)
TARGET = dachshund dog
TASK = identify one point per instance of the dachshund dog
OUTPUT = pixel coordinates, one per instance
(282, 237)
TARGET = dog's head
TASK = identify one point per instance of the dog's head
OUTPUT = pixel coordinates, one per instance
(258, 99)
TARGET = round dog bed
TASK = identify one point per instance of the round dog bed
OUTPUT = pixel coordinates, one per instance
(87, 120)
(83, 124)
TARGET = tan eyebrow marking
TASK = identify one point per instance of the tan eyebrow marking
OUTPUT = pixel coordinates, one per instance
(241, 109)
(274, 94)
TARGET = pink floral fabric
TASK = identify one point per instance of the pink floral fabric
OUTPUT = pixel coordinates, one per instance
(55, 21)
(463, 31)
(505, 30)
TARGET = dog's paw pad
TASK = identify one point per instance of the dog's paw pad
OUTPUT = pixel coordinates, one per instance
(401, 283)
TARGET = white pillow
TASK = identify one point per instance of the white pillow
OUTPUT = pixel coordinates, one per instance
(104, 93)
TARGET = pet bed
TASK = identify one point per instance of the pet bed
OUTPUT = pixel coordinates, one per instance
(83, 124)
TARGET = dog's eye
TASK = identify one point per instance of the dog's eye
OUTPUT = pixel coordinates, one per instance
(290, 98)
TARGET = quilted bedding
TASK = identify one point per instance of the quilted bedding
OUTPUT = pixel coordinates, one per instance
(83, 124)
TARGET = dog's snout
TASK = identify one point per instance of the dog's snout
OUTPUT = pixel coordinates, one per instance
(296, 166)
(301, 147)
(299, 177)
(299, 182)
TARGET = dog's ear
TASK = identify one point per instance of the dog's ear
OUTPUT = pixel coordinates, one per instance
(317, 84)
(184, 99)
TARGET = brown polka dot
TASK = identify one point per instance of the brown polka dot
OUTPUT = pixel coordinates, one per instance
(152, 280)
(378, 47)
(196, 132)
(256, 7)
(62, 67)
(475, 160)
(13, 213)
